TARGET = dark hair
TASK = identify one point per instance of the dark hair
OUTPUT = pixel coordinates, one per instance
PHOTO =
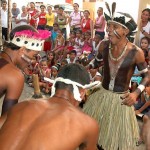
(73, 52)
(148, 10)
(56, 6)
(3, 1)
(12, 34)
(76, 4)
(42, 6)
(100, 8)
(145, 38)
(74, 72)
(32, 3)
(87, 11)
(61, 8)
(80, 31)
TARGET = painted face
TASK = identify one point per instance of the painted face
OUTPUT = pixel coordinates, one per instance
(115, 32)
(145, 15)
(26, 58)
(144, 44)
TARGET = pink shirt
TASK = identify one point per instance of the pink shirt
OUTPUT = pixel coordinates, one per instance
(98, 21)
(76, 18)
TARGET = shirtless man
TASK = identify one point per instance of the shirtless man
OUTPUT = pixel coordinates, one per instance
(112, 105)
(55, 123)
(15, 57)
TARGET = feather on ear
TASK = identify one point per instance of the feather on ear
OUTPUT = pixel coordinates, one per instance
(108, 8)
(113, 9)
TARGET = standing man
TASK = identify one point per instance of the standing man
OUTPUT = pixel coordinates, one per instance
(25, 43)
(54, 119)
(112, 105)
(15, 12)
(4, 19)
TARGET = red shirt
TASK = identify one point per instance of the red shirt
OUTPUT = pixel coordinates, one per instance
(85, 25)
(42, 19)
(33, 21)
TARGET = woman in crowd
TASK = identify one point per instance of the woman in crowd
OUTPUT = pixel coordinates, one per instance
(23, 18)
(144, 27)
(100, 23)
(87, 23)
(75, 18)
(50, 17)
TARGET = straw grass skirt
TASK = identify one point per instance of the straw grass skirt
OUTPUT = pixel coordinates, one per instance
(118, 125)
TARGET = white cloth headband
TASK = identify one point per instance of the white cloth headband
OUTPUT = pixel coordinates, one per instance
(75, 85)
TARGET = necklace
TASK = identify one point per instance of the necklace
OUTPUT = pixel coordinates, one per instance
(120, 56)
(8, 56)
(61, 97)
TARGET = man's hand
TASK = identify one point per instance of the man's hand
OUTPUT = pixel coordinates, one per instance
(129, 99)
(137, 112)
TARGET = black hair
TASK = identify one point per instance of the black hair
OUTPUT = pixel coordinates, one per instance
(74, 72)
(42, 6)
(56, 6)
(73, 52)
(12, 34)
(100, 8)
(61, 8)
(32, 3)
(145, 38)
(148, 10)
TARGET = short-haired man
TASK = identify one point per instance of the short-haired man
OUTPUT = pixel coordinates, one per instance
(42, 124)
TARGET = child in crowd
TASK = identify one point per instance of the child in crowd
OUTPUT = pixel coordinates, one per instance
(79, 42)
(95, 75)
(144, 44)
(64, 62)
(59, 44)
(47, 43)
(44, 71)
(54, 34)
(96, 43)
(136, 79)
(72, 57)
(54, 71)
(70, 44)
(87, 47)
(51, 59)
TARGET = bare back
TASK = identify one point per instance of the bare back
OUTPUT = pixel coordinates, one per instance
(48, 125)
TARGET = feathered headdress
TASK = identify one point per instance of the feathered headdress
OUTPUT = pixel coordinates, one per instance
(123, 19)
(31, 40)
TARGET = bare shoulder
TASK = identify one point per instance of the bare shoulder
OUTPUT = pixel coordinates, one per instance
(104, 43)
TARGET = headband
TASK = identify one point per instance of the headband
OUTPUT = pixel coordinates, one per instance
(75, 85)
(30, 39)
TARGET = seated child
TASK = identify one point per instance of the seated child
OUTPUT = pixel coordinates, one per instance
(44, 71)
(72, 57)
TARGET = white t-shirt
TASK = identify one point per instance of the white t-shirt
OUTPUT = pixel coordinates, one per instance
(4, 18)
(19, 17)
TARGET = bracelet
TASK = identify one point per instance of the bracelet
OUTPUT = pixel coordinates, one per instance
(143, 31)
(141, 87)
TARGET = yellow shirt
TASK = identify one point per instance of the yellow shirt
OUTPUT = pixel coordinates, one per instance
(50, 19)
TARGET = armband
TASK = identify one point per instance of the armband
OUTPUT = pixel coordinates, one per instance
(141, 87)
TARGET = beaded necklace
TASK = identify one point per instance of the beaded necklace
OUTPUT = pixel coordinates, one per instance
(120, 56)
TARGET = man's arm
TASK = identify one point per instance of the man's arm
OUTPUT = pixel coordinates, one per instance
(130, 99)
(13, 91)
